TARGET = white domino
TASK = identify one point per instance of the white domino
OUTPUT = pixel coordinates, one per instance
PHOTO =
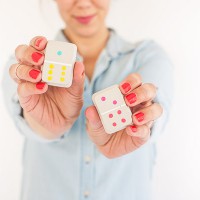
(58, 66)
(113, 111)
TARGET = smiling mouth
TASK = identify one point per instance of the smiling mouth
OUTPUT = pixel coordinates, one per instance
(85, 19)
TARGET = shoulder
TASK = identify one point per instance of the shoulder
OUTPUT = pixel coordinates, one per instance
(146, 51)
(117, 45)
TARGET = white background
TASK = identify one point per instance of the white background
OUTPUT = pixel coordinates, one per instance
(175, 24)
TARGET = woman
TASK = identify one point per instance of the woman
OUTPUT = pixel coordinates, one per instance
(67, 154)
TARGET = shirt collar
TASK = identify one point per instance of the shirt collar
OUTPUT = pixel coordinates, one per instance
(117, 46)
(114, 48)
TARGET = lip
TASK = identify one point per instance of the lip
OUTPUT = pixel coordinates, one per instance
(85, 19)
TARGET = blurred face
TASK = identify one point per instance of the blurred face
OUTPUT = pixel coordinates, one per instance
(84, 17)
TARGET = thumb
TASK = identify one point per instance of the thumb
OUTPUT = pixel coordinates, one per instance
(95, 127)
(77, 86)
(93, 119)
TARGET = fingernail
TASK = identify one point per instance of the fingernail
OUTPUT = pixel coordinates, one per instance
(40, 85)
(37, 43)
(36, 56)
(131, 98)
(34, 73)
(126, 87)
(140, 116)
(133, 128)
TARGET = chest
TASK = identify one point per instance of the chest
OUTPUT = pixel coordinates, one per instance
(89, 67)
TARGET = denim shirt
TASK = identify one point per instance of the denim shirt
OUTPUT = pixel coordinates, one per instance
(71, 167)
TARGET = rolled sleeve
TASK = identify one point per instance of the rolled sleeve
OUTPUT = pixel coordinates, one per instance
(155, 67)
(9, 89)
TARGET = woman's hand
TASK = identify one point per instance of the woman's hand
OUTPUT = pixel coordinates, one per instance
(139, 98)
(50, 111)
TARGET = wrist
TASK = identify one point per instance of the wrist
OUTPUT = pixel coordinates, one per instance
(50, 133)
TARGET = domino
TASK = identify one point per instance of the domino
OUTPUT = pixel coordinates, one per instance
(115, 115)
(58, 66)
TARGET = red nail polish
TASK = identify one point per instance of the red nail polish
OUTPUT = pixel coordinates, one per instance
(36, 56)
(131, 98)
(133, 128)
(34, 73)
(126, 87)
(40, 85)
(139, 116)
(37, 43)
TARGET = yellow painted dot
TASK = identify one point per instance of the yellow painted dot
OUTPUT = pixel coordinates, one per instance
(63, 73)
(64, 67)
(50, 72)
(62, 79)
(51, 66)
(50, 78)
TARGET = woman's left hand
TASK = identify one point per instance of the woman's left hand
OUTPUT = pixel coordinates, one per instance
(139, 97)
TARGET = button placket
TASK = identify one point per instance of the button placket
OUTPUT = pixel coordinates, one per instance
(87, 167)
(87, 159)
(86, 194)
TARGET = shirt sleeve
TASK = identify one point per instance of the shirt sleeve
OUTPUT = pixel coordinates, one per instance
(9, 89)
(154, 66)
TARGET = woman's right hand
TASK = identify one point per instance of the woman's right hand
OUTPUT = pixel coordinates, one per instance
(49, 111)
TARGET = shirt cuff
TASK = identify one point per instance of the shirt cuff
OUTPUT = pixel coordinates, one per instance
(159, 125)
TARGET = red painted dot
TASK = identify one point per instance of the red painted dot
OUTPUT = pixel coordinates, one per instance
(114, 102)
(103, 98)
(110, 115)
(123, 120)
(119, 112)
(114, 124)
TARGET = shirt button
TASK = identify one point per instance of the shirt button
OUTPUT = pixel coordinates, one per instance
(87, 159)
(86, 194)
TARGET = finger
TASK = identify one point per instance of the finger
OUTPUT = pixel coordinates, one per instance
(13, 73)
(24, 72)
(141, 106)
(140, 134)
(39, 43)
(150, 124)
(78, 79)
(95, 128)
(131, 82)
(146, 103)
(141, 94)
(26, 89)
(147, 114)
(28, 55)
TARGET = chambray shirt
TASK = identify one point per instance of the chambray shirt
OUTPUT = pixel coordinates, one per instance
(71, 167)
